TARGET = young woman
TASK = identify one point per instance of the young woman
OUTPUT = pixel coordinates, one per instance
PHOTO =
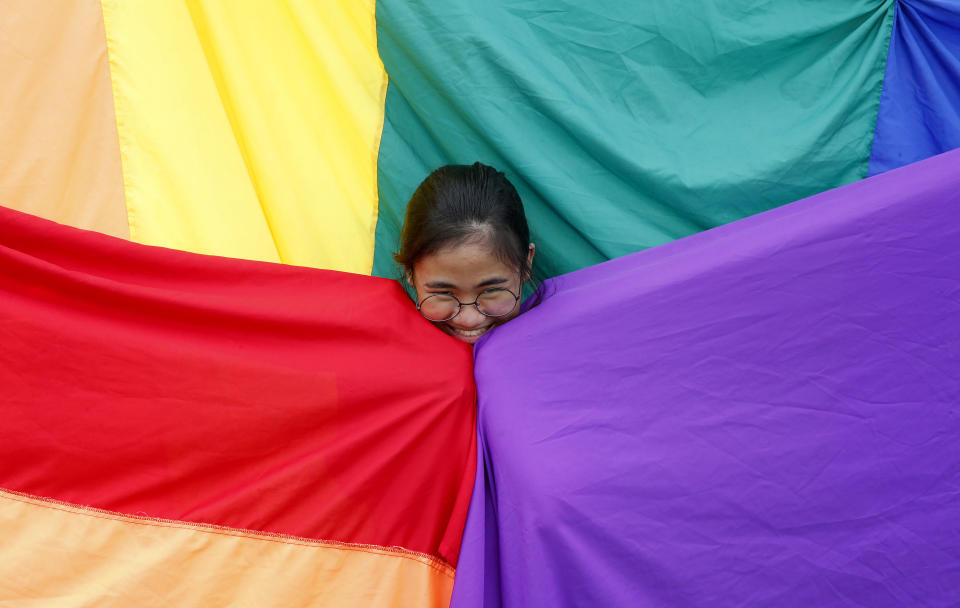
(466, 250)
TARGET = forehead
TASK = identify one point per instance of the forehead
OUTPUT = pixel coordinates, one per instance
(464, 265)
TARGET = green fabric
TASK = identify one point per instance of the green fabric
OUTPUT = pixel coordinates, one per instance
(627, 125)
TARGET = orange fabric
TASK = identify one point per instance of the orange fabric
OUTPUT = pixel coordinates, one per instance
(55, 553)
(60, 157)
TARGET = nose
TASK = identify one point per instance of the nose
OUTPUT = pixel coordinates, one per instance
(469, 318)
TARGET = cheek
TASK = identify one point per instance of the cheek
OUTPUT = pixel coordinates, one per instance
(496, 321)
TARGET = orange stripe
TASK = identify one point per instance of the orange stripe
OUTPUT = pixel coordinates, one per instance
(58, 552)
(59, 153)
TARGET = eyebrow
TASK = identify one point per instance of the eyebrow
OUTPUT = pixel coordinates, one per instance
(493, 281)
(444, 285)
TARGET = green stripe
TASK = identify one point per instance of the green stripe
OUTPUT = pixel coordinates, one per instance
(627, 125)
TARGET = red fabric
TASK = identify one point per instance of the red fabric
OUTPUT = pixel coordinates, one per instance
(275, 398)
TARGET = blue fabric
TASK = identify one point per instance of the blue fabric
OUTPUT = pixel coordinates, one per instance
(919, 112)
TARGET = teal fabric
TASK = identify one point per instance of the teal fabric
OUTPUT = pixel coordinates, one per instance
(627, 125)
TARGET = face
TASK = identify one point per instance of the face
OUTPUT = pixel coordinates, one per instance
(464, 271)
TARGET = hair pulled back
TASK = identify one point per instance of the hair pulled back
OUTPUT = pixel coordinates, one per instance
(459, 204)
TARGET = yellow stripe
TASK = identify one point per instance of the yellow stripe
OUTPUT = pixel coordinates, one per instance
(58, 554)
(250, 129)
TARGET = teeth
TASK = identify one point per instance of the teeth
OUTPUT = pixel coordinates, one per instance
(471, 333)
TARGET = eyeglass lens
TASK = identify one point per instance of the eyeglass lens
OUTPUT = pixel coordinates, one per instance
(492, 302)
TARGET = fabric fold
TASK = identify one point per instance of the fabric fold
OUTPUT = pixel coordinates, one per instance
(761, 414)
(256, 396)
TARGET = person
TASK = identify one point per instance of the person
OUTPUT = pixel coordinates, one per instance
(465, 249)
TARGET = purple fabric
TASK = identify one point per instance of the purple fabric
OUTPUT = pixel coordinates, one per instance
(764, 414)
(919, 113)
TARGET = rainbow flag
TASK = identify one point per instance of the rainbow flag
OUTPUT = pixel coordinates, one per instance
(208, 400)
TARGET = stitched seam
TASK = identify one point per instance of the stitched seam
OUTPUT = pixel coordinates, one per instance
(289, 539)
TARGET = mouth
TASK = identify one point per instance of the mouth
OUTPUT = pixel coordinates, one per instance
(467, 335)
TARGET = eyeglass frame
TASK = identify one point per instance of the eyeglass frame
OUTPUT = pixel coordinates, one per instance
(460, 305)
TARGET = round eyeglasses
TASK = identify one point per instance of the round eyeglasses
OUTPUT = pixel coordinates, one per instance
(493, 302)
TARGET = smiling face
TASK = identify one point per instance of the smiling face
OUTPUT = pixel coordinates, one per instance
(464, 271)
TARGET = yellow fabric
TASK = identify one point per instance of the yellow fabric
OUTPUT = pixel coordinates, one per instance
(250, 129)
(55, 554)
(59, 157)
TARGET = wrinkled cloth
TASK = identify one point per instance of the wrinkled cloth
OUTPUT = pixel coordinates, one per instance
(257, 396)
(764, 414)
(626, 125)
(919, 113)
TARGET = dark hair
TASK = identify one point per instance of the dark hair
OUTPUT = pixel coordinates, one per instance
(462, 203)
